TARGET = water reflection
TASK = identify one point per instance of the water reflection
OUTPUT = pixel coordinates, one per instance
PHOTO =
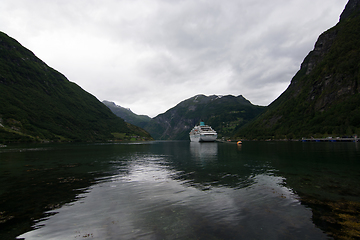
(204, 151)
(170, 190)
(163, 191)
(37, 178)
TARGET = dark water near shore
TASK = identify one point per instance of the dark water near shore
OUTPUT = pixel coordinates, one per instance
(174, 190)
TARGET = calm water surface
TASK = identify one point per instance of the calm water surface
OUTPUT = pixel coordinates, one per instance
(173, 190)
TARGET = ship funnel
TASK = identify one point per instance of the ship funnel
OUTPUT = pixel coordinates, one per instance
(202, 124)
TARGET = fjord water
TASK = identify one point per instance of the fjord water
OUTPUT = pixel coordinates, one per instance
(172, 189)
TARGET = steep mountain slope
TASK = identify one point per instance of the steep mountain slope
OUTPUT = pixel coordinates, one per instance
(323, 97)
(223, 113)
(128, 115)
(40, 104)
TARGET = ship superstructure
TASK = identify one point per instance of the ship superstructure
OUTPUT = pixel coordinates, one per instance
(203, 133)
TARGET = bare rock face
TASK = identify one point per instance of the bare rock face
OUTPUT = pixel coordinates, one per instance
(324, 95)
(325, 40)
(331, 84)
(352, 7)
(322, 47)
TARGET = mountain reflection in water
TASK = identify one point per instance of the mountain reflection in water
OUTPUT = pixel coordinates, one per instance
(181, 190)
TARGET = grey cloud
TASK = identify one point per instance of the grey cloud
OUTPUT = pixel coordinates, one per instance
(150, 55)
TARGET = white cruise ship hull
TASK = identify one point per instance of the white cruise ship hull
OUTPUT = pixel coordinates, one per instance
(203, 137)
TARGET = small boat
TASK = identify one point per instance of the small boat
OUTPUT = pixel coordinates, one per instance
(203, 133)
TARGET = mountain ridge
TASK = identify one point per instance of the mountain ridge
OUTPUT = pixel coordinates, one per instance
(223, 113)
(323, 96)
(39, 103)
(127, 114)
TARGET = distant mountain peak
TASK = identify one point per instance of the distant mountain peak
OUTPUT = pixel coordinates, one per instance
(127, 114)
(223, 112)
(109, 103)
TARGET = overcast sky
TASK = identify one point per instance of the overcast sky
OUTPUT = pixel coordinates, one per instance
(149, 55)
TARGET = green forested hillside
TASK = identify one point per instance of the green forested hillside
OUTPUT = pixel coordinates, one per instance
(37, 103)
(224, 113)
(323, 98)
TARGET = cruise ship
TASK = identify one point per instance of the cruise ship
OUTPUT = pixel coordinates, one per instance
(203, 133)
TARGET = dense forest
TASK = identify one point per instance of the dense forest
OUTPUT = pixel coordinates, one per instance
(39, 104)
